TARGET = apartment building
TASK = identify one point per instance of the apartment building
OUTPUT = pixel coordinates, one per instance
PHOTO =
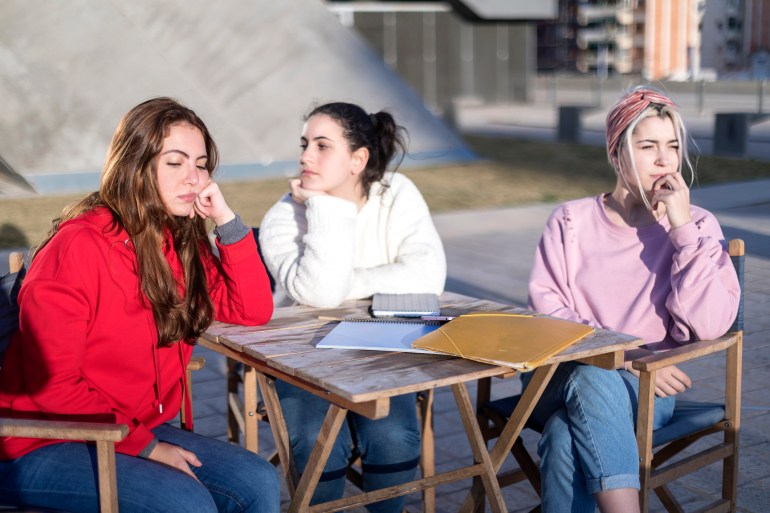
(658, 39)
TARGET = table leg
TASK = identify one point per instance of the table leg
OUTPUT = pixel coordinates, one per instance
(511, 431)
(280, 432)
(479, 448)
(335, 417)
(301, 489)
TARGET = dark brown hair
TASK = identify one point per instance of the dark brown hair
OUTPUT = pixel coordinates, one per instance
(377, 132)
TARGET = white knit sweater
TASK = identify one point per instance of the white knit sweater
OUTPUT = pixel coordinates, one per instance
(324, 252)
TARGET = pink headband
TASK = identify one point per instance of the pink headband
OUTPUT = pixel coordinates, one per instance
(626, 111)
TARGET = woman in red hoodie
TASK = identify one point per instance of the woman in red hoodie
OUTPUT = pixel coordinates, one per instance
(110, 309)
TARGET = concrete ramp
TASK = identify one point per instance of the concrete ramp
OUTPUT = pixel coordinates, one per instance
(250, 68)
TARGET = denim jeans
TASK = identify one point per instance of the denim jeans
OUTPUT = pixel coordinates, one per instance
(389, 447)
(588, 443)
(63, 476)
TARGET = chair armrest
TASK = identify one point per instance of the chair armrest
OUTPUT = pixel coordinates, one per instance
(685, 353)
(196, 363)
(63, 430)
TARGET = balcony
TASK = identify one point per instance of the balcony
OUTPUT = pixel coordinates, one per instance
(587, 14)
(594, 36)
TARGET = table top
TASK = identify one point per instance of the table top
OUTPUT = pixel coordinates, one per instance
(285, 348)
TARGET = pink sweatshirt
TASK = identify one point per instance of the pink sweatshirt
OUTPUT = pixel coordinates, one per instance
(668, 287)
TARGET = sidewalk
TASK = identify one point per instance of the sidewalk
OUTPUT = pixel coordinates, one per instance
(539, 121)
(489, 254)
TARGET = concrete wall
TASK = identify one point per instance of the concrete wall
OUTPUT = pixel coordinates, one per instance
(250, 68)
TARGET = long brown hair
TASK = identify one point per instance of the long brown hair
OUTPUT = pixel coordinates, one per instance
(129, 189)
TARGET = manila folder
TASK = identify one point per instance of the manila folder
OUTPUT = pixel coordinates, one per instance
(519, 341)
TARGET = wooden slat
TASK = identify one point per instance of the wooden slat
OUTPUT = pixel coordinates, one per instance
(63, 430)
(479, 448)
(324, 443)
(108, 481)
(685, 353)
(689, 464)
(15, 261)
(196, 363)
(609, 361)
(280, 433)
(398, 490)
(250, 414)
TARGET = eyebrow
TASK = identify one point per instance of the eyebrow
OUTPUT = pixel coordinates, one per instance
(185, 154)
(318, 138)
(656, 140)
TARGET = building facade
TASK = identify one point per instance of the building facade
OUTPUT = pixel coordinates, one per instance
(658, 39)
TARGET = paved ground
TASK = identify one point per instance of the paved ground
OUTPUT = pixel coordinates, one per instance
(489, 255)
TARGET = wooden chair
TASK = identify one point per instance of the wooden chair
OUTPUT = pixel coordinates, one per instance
(104, 435)
(245, 410)
(663, 453)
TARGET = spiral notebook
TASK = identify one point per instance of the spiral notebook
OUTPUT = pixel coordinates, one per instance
(378, 335)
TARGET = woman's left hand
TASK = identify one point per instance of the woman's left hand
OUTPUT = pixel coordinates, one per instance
(211, 204)
(672, 192)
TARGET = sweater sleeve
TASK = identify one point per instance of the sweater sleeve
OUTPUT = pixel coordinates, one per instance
(418, 262)
(241, 288)
(705, 292)
(549, 288)
(309, 248)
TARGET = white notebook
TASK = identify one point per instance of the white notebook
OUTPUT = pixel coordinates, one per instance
(378, 335)
(405, 305)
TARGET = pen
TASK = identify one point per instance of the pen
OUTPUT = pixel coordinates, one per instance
(436, 317)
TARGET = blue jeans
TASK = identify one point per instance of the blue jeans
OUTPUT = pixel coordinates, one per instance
(588, 443)
(63, 476)
(389, 447)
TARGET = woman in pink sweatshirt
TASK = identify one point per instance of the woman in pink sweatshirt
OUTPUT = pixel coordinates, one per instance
(640, 260)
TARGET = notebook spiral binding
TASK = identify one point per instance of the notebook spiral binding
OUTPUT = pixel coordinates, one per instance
(388, 320)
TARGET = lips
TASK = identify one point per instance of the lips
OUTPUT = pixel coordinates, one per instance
(188, 198)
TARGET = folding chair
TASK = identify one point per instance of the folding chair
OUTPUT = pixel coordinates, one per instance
(662, 456)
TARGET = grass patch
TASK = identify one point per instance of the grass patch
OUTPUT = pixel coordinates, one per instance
(514, 172)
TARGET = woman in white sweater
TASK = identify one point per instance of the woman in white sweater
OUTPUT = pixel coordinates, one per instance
(349, 229)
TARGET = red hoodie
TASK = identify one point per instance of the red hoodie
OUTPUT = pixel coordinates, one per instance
(87, 341)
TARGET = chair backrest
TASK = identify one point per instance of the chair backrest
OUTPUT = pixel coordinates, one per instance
(737, 252)
(10, 284)
(255, 232)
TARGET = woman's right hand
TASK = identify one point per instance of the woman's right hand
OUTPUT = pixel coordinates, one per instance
(175, 456)
(301, 195)
(669, 380)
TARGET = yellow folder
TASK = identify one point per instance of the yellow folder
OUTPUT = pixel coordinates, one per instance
(519, 341)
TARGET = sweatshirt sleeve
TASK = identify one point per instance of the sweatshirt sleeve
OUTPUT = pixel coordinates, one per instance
(549, 287)
(241, 288)
(418, 259)
(705, 292)
(309, 249)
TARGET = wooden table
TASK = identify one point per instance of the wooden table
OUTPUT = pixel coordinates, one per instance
(364, 382)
